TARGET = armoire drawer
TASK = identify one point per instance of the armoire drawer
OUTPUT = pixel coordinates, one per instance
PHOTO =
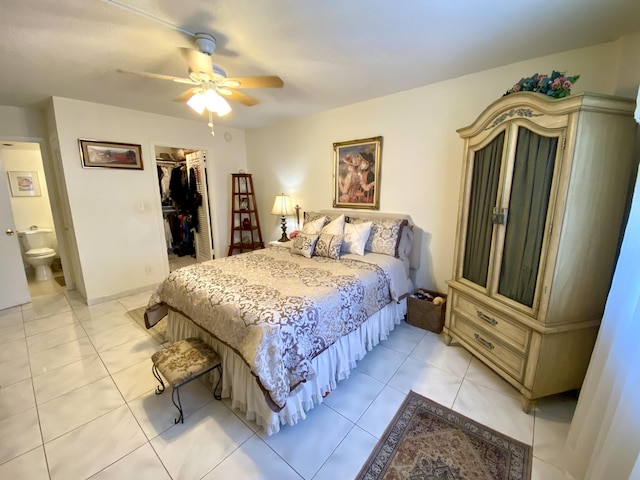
(514, 334)
(489, 346)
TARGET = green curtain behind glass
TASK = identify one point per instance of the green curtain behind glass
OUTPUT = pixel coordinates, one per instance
(530, 191)
(483, 197)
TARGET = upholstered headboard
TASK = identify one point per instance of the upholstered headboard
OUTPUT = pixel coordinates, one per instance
(411, 237)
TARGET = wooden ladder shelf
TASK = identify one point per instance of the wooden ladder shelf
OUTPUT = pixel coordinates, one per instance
(245, 224)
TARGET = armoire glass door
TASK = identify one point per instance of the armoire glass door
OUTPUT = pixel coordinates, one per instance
(482, 199)
(529, 196)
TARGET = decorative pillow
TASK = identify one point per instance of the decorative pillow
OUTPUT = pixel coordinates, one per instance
(329, 245)
(335, 227)
(385, 235)
(314, 226)
(355, 237)
(311, 216)
(304, 244)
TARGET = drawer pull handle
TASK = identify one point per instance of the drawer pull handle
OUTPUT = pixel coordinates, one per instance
(483, 342)
(487, 318)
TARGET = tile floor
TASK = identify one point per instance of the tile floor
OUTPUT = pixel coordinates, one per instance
(77, 401)
(176, 262)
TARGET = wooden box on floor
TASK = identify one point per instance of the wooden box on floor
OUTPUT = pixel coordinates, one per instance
(424, 314)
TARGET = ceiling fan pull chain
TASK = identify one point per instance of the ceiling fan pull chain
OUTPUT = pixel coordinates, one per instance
(210, 124)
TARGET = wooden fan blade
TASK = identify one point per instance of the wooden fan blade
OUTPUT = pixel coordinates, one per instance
(238, 97)
(186, 95)
(161, 77)
(198, 62)
(265, 81)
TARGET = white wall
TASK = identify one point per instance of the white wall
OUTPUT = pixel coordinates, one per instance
(421, 152)
(116, 213)
(21, 124)
(629, 68)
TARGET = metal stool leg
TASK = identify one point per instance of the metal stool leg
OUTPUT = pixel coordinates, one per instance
(159, 388)
(176, 393)
(216, 395)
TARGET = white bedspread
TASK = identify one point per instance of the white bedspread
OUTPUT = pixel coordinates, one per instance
(279, 311)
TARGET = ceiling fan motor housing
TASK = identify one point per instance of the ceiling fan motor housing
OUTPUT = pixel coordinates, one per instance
(205, 42)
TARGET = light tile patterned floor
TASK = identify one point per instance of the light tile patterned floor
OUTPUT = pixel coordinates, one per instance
(77, 401)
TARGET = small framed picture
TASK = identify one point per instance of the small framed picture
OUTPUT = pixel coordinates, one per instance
(244, 203)
(110, 155)
(24, 184)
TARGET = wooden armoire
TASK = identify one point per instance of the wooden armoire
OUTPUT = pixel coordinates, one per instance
(541, 213)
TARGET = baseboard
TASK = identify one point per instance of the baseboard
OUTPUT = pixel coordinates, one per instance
(127, 293)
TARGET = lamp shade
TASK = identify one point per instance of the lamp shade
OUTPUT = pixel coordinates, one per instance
(282, 206)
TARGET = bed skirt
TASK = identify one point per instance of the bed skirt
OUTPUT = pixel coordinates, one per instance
(331, 366)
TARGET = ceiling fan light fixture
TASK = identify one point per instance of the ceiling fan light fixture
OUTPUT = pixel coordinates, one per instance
(223, 106)
(215, 103)
(197, 102)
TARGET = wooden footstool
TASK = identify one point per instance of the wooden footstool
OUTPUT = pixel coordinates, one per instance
(183, 362)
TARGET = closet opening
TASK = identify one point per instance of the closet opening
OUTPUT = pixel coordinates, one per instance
(186, 215)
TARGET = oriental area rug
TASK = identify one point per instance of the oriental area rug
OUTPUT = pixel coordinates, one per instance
(428, 441)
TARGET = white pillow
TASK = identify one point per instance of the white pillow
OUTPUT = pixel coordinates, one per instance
(335, 227)
(355, 237)
(314, 227)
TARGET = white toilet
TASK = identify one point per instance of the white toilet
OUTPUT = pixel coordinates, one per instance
(38, 252)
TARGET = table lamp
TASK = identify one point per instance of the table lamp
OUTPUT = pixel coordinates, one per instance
(282, 207)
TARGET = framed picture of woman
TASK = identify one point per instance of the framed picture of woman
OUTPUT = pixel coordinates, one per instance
(357, 173)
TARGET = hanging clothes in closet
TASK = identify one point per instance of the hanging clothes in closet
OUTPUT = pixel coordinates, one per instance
(179, 186)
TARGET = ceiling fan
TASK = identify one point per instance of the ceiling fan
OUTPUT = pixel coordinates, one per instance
(210, 84)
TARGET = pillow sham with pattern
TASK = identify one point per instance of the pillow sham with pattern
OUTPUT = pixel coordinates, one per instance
(329, 246)
(335, 226)
(309, 216)
(304, 244)
(355, 237)
(384, 236)
(314, 226)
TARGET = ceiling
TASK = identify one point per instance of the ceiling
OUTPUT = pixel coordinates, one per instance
(329, 53)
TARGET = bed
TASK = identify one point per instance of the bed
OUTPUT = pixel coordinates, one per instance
(290, 323)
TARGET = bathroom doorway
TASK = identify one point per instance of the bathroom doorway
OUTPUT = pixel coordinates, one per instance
(183, 185)
(29, 201)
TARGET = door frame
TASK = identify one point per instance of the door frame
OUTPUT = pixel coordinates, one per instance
(212, 207)
(58, 225)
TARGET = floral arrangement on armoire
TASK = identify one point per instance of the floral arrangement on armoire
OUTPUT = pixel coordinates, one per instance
(556, 85)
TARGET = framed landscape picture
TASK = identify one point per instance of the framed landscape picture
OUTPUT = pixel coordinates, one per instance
(357, 173)
(110, 155)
